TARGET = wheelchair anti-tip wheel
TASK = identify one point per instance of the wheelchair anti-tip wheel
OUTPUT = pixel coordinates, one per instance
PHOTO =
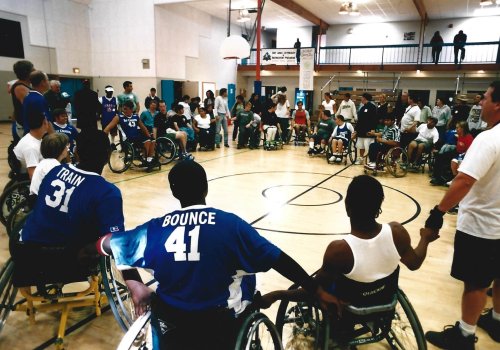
(121, 157)
(258, 332)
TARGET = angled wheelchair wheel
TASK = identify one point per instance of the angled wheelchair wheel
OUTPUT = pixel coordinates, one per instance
(352, 150)
(18, 216)
(258, 332)
(165, 150)
(139, 335)
(122, 155)
(7, 292)
(302, 325)
(406, 331)
(396, 162)
(11, 197)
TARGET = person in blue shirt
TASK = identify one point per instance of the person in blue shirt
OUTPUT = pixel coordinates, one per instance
(205, 261)
(34, 102)
(148, 116)
(61, 125)
(109, 109)
(135, 131)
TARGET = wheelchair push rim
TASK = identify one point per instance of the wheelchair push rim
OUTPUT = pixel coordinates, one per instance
(139, 335)
(121, 157)
(257, 330)
(396, 161)
(165, 150)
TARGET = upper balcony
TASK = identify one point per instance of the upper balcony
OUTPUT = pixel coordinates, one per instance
(478, 56)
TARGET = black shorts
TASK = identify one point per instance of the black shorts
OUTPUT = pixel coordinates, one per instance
(476, 261)
(139, 140)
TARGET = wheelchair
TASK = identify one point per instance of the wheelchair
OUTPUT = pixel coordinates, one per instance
(50, 286)
(351, 152)
(302, 137)
(394, 161)
(395, 322)
(274, 144)
(125, 154)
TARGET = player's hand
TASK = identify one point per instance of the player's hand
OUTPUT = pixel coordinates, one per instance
(265, 301)
(429, 234)
(435, 219)
(329, 302)
(141, 296)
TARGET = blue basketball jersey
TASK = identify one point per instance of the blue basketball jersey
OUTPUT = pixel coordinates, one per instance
(109, 108)
(70, 131)
(203, 258)
(130, 126)
(343, 132)
(74, 207)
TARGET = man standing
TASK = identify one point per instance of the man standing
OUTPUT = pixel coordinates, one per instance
(461, 110)
(128, 95)
(86, 107)
(476, 259)
(367, 121)
(152, 97)
(297, 46)
(109, 109)
(34, 102)
(19, 90)
(476, 124)
(459, 45)
(348, 109)
(222, 111)
(409, 122)
(55, 98)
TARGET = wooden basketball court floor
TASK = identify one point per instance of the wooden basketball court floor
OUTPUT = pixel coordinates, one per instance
(293, 200)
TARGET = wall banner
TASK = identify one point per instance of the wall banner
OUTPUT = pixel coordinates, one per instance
(281, 57)
(306, 76)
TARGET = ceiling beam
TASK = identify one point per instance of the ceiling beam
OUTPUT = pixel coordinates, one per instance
(304, 13)
(419, 4)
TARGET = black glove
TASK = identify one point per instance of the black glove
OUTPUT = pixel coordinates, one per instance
(435, 219)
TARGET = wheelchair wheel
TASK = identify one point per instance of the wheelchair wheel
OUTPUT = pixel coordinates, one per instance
(396, 162)
(7, 292)
(11, 197)
(406, 331)
(165, 150)
(301, 322)
(352, 151)
(121, 157)
(17, 216)
(259, 333)
(139, 336)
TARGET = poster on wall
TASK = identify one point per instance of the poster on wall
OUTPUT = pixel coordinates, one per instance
(306, 75)
(280, 57)
(409, 36)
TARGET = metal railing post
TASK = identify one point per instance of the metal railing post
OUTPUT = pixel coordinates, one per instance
(350, 58)
(382, 63)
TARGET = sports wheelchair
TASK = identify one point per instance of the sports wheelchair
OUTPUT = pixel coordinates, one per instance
(274, 144)
(50, 285)
(125, 154)
(394, 160)
(396, 322)
(351, 152)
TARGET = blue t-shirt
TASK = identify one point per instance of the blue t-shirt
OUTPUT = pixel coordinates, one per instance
(74, 207)
(202, 257)
(343, 132)
(108, 111)
(148, 119)
(450, 137)
(130, 126)
(70, 131)
(34, 102)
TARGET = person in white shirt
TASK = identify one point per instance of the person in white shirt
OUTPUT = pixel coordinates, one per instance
(27, 150)
(202, 126)
(347, 108)
(409, 122)
(185, 104)
(427, 136)
(442, 113)
(54, 150)
(222, 114)
(283, 114)
(476, 257)
(329, 104)
(476, 123)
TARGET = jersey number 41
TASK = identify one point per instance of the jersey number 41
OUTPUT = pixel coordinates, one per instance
(175, 244)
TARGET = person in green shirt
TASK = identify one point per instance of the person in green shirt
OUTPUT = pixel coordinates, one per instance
(425, 112)
(322, 132)
(128, 95)
(244, 118)
(148, 116)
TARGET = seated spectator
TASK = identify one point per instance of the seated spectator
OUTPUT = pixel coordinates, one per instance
(322, 132)
(255, 132)
(55, 150)
(301, 122)
(244, 119)
(270, 122)
(27, 150)
(449, 160)
(163, 127)
(181, 123)
(135, 131)
(340, 138)
(148, 116)
(61, 125)
(202, 125)
(426, 138)
(384, 141)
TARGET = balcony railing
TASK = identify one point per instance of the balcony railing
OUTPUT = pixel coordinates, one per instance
(480, 52)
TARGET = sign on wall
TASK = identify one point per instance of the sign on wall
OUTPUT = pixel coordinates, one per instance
(280, 57)
(306, 75)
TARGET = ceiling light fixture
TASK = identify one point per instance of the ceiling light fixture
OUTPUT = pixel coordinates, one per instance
(243, 16)
(485, 2)
(349, 8)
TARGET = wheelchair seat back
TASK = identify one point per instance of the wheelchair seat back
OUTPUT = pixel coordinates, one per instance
(15, 164)
(37, 264)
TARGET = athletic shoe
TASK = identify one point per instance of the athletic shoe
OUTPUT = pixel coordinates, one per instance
(490, 325)
(338, 160)
(217, 145)
(311, 151)
(451, 338)
(226, 145)
(436, 182)
(449, 183)
(358, 161)
(332, 159)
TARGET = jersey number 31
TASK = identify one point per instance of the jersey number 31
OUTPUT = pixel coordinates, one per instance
(175, 244)
(58, 195)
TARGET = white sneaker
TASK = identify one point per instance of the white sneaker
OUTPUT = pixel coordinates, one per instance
(371, 164)
(338, 160)
(359, 161)
(449, 183)
(332, 159)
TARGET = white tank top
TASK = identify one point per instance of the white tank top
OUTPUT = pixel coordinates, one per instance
(374, 258)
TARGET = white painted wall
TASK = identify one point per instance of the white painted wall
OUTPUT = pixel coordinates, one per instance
(478, 29)
(287, 36)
